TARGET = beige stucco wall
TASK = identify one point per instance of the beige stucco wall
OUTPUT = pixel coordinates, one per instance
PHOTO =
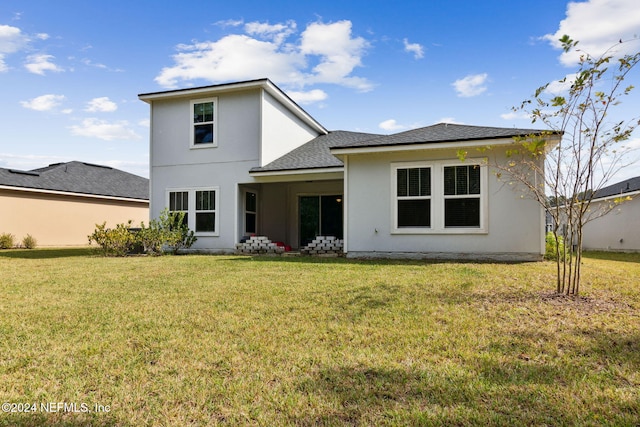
(63, 220)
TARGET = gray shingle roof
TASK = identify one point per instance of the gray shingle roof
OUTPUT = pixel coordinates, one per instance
(315, 153)
(627, 186)
(442, 132)
(79, 177)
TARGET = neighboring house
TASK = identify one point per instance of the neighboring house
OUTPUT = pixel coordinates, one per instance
(243, 159)
(60, 205)
(618, 230)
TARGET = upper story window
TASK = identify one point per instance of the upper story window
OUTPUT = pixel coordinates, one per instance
(203, 123)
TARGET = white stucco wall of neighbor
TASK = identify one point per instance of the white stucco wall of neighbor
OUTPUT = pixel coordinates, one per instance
(512, 226)
(619, 230)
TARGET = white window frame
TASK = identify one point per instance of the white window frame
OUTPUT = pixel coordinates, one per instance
(192, 123)
(461, 196)
(396, 198)
(438, 197)
(191, 211)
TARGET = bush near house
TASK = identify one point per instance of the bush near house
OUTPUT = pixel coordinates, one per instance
(29, 242)
(167, 233)
(553, 246)
(6, 241)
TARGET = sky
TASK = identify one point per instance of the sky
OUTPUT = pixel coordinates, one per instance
(71, 71)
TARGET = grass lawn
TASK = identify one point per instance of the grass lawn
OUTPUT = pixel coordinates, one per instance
(207, 340)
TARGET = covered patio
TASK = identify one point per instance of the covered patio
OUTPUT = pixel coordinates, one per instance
(291, 213)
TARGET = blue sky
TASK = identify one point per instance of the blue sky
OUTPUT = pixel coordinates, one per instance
(70, 71)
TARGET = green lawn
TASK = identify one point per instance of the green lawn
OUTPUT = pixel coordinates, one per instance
(207, 340)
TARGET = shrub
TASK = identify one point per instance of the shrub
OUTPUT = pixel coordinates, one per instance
(6, 241)
(181, 237)
(29, 242)
(168, 231)
(550, 247)
(114, 241)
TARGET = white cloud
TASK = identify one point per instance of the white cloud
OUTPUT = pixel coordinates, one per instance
(102, 129)
(44, 102)
(28, 161)
(471, 85)
(391, 125)
(415, 48)
(103, 104)
(514, 115)
(264, 51)
(11, 41)
(277, 32)
(40, 63)
(230, 23)
(598, 25)
(560, 86)
(234, 57)
(339, 54)
(450, 120)
(315, 95)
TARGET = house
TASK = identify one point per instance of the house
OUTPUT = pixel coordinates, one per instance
(618, 230)
(60, 205)
(244, 159)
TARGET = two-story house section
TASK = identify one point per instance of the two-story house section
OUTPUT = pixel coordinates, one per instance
(244, 159)
(204, 142)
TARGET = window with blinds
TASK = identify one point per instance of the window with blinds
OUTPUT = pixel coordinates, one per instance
(413, 192)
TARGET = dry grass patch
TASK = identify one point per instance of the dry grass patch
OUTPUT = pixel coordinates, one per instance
(203, 340)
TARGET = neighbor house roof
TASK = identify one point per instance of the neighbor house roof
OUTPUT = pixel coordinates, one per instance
(315, 153)
(80, 178)
(442, 132)
(624, 187)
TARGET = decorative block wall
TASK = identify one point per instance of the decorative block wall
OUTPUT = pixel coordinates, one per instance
(259, 245)
(321, 245)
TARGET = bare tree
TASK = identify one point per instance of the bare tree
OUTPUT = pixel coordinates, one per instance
(563, 168)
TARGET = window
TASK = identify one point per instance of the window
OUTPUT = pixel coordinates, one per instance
(179, 202)
(462, 196)
(205, 211)
(439, 197)
(413, 192)
(200, 206)
(203, 123)
(250, 212)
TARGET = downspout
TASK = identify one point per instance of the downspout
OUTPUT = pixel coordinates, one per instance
(345, 219)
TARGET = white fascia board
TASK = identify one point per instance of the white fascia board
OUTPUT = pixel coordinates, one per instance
(198, 91)
(631, 194)
(297, 172)
(284, 99)
(68, 193)
(264, 84)
(338, 151)
(298, 175)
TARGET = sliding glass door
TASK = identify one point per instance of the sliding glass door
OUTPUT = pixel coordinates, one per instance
(319, 216)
